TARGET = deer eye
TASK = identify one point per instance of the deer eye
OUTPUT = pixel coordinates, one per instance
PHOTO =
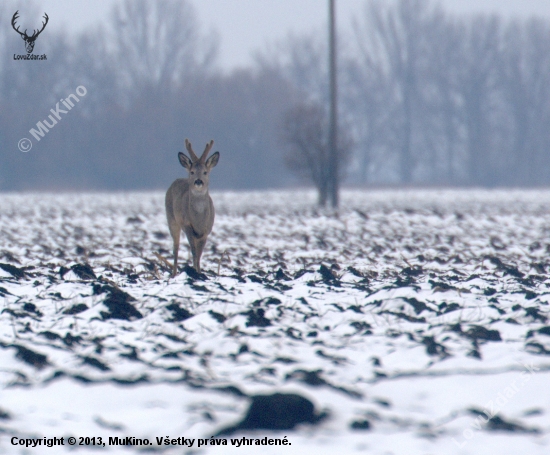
(204, 172)
(192, 172)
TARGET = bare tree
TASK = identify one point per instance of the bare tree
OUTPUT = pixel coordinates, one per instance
(368, 97)
(303, 61)
(158, 44)
(426, 96)
(305, 131)
(444, 101)
(478, 81)
(395, 44)
(525, 79)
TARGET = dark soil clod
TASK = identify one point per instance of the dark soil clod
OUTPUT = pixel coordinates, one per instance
(95, 363)
(75, 309)
(117, 302)
(178, 313)
(13, 270)
(256, 318)
(328, 276)
(477, 332)
(360, 425)
(497, 423)
(84, 271)
(35, 359)
(276, 412)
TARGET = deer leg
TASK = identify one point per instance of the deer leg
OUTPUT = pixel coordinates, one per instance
(200, 242)
(192, 243)
(175, 232)
(176, 251)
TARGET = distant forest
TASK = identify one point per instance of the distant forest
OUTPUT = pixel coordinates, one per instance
(425, 98)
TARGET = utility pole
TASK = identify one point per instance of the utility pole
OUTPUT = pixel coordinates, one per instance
(333, 183)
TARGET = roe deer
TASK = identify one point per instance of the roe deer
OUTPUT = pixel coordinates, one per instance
(189, 206)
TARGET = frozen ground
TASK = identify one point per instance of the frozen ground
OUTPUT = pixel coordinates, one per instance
(415, 321)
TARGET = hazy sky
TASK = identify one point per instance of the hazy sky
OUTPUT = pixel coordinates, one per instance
(247, 25)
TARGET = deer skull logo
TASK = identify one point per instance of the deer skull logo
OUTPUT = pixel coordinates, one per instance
(29, 40)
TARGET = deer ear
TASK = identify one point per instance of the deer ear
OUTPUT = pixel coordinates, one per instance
(213, 160)
(185, 161)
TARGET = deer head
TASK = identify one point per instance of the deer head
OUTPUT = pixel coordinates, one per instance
(29, 40)
(199, 168)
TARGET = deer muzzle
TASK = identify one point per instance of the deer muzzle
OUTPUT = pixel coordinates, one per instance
(198, 183)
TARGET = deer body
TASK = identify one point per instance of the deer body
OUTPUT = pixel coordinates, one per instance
(189, 207)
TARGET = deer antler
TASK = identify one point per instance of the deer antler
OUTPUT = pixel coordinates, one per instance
(206, 150)
(193, 155)
(13, 19)
(35, 34)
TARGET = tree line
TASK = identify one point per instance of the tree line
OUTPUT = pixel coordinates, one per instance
(425, 98)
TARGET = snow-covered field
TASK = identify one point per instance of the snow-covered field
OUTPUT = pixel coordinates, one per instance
(415, 321)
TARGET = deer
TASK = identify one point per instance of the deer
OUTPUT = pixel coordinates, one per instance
(189, 207)
(29, 40)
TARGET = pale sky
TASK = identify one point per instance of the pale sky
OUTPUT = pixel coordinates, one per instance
(247, 25)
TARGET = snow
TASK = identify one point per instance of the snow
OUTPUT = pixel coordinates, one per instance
(413, 310)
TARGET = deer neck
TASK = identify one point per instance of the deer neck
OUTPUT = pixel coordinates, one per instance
(199, 202)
